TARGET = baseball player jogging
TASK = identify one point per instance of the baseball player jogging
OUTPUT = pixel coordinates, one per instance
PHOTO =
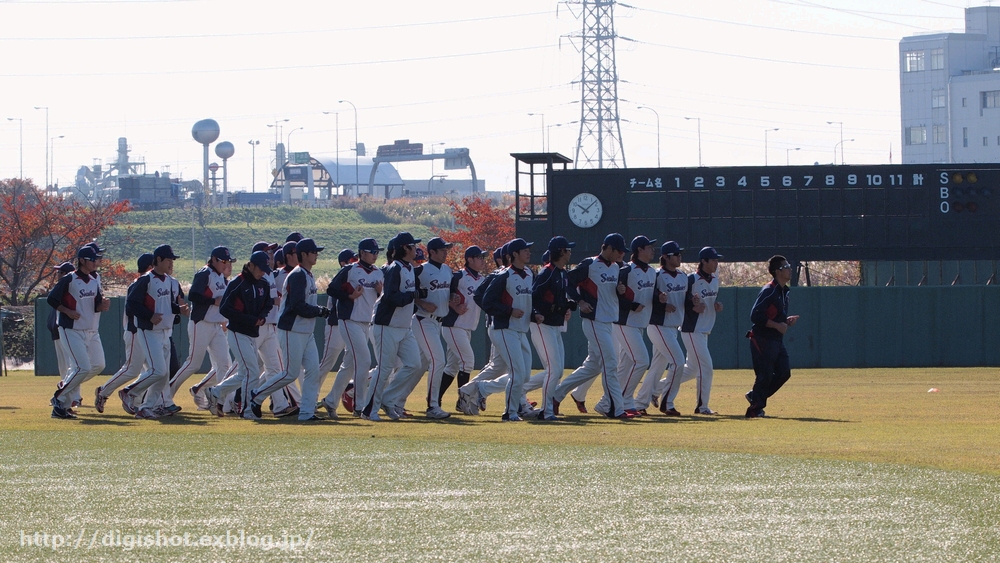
(245, 304)
(550, 303)
(79, 300)
(635, 300)
(462, 319)
(205, 326)
(700, 308)
(155, 300)
(296, 324)
(663, 332)
(771, 321)
(391, 330)
(593, 285)
(134, 356)
(507, 300)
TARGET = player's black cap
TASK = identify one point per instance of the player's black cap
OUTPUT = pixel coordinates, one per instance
(616, 241)
(641, 241)
(279, 257)
(294, 237)
(709, 253)
(144, 262)
(369, 245)
(87, 253)
(65, 267)
(289, 247)
(264, 246)
(518, 245)
(164, 251)
(93, 245)
(560, 242)
(474, 252)
(404, 238)
(222, 253)
(437, 243)
(346, 256)
(307, 245)
(497, 253)
(671, 248)
(261, 260)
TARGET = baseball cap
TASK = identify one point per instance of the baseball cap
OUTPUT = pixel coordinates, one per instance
(560, 242)
(640, 241)
(261, 260)
(709, 253)
(144, 262)
(671, 248)
(346, 255)
(497, 253)
(369, 245)
(518, 245)
(307, 245)
(404, 238)
(164, 251)
(474, 252)
(93, 244)
(87, 253)
(546, 257)
(294, 237)
(65, 267)
(419, 255)
(222, 253)
(289, 247)
(437, 243)
(616, 241)
(279, 256)
(264, 246)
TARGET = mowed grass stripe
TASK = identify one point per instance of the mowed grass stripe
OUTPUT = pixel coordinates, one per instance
(871, 415)
(416, 500)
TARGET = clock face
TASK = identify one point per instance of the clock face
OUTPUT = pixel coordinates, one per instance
(585, 210)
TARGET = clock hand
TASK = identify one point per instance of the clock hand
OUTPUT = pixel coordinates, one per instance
(591, 204)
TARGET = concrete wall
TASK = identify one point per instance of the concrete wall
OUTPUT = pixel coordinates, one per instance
(841, 327)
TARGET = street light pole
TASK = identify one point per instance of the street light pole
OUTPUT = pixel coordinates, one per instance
(698, 119)
(46, 108)
(788, 152)
(336, 147)
(841, 145)
(52, 160)
(288, 145)
(657, 132)
(356, 180)
(277, 140)
(766, 131)
(841, 123)
(20, 142)
(253, 165)
(542, 115)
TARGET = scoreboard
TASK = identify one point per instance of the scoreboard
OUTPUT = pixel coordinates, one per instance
(868, 212)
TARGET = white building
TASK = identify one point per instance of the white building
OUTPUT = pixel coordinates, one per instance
(950, 92)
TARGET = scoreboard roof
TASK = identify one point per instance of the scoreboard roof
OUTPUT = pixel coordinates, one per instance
(868, 212)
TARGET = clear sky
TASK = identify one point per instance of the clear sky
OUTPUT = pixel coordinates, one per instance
(462, 73)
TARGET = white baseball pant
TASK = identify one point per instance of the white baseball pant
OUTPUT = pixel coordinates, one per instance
(548, 343)
(244, 350)
(496, 366)
(270, 357)
(390, 343)
(300, 357)
(633, 359)
(461, 357)
(333, 345)
(427, 331)
(156, 346)
(400, 387)
(203, 337)
(667, 357)
(85, 354)
(134, 359)
(357, 362)
(601, 359)
(698, 365)
(513, 346)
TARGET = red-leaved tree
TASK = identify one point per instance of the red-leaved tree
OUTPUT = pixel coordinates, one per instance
(478, 221)
(39, 231)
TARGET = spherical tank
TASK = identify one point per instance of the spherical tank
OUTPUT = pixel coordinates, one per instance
(225, 150)
(205, 131)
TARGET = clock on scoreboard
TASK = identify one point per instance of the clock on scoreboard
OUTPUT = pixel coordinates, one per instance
(884, 212)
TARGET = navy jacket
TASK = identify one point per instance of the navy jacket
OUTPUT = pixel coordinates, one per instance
(245, 301)
(549, 295)
(771, 305)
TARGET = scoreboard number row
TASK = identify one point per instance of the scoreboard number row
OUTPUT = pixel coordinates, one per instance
(805, 181)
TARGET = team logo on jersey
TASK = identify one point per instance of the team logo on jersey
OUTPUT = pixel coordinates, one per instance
(436, 285)
(370, 284)
(87, 293)
(644, 284)
(608, 278)
(312, 290)
(671, 287)
(162, 292)
(708, 293)
(521, 290)
(408, 285)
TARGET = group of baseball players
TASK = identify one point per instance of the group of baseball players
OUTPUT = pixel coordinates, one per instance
(258, 330)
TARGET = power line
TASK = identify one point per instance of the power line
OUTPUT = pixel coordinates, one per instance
(763, 59)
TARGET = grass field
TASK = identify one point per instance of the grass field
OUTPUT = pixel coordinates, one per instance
(852, 465)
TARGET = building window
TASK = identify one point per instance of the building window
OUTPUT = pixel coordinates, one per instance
(986, 141)
(937, 59)
(940, 135)
(916, 135)
(991, 99)
(937, 98)
(965, 137)
(964, 104)
(914, 61)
